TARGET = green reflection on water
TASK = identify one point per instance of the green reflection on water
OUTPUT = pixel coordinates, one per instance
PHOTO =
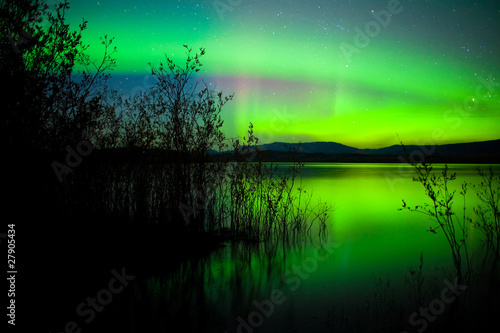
(372, 240)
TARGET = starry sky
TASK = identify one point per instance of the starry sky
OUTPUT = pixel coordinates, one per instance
(354, 72)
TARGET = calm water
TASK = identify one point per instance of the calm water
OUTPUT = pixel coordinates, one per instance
(259, 288)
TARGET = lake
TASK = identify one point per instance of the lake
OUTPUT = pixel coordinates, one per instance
(350, 281)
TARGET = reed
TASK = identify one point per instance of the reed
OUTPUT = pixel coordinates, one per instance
(456, 226)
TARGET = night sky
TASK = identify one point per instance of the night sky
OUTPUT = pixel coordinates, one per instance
(353, 72)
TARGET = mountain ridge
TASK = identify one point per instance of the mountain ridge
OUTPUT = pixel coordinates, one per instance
(321, 151)
(330, 147)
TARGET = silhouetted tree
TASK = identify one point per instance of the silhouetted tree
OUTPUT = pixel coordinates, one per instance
(47, 104)
(179, 114)
(53, 96)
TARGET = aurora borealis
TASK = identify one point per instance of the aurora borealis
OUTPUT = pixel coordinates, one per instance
(353, 72)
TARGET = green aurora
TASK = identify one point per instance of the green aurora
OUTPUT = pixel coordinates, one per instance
(301, 71)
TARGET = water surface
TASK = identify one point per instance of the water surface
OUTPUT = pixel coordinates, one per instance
(370, 249)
